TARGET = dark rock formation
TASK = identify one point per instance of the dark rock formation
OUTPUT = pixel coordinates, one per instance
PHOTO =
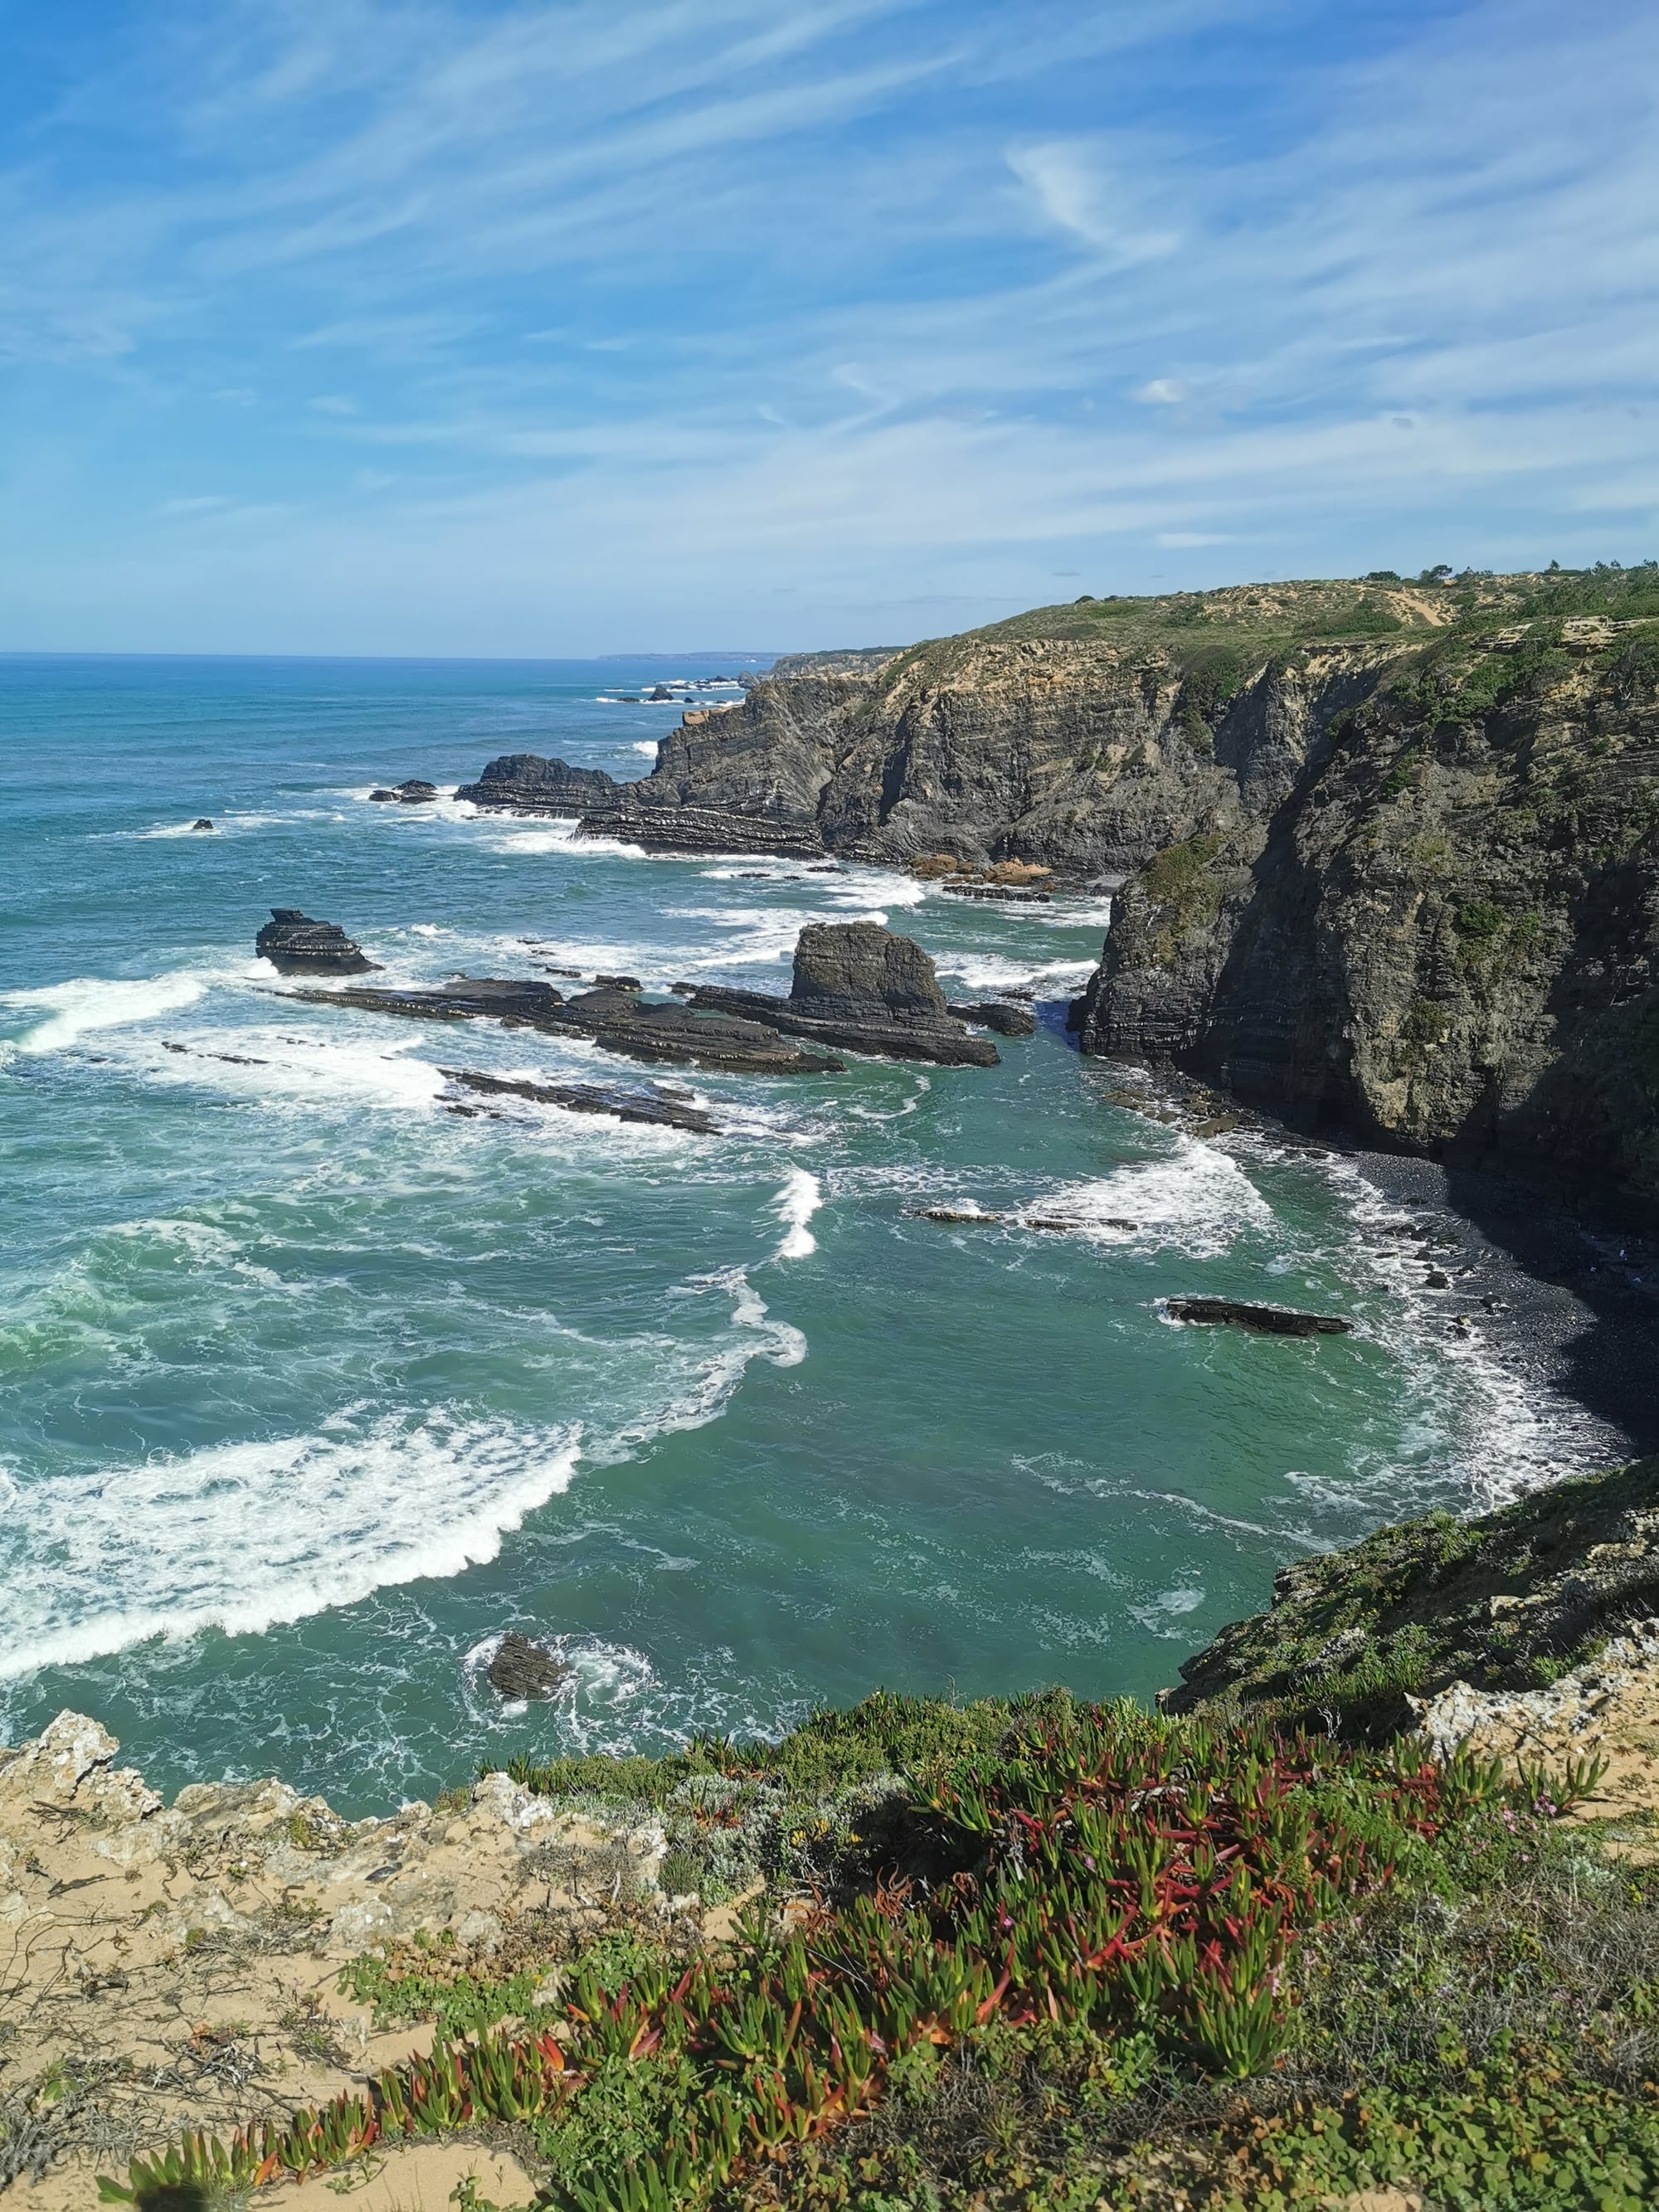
(201, 822)
(1271, 1320)
(412, 792)
(656, 1109)
(699, 830)
(618, 983)
(617, 1020)
(523, 1669)
(1505, 1601)
(1436, 924)
(859, 987)
(525, 783)
(296, 946)
(996, 1014)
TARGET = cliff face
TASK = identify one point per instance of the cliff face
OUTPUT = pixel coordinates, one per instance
(1442, 932)
(1083, 754)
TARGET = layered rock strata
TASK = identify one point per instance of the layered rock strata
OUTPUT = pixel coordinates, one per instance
(294, 944)
(619, 1021)
(859, 987)
(1439, 928)
(525, 783)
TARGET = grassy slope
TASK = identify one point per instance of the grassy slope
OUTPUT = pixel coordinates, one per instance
(1411, 1609)
(1043, 1977)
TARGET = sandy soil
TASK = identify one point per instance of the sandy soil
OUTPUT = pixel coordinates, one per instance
(176, 1967)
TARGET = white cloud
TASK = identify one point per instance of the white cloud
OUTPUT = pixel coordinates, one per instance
(668, 309)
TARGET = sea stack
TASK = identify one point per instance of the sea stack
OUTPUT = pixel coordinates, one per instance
(525, 783)
(294, 944)
(858, 985)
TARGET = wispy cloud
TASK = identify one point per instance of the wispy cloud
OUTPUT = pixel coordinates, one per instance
(656, 308)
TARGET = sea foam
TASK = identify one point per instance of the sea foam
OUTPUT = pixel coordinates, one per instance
(243, 1537)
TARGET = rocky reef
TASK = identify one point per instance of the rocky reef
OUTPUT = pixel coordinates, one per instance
(525, 783)
(856, 987)
(1390, 846)
(859, 987)
(619, 1020)
(294, 944)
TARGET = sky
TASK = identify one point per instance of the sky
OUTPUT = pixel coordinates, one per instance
(530, 327)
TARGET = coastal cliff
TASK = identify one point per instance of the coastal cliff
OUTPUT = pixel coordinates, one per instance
(1440, 931)
(1392, 850)
(1083, 739)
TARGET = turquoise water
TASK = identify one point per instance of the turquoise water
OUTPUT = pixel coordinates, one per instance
(309, 1389)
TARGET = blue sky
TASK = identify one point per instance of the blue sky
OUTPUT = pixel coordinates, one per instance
(462, 326)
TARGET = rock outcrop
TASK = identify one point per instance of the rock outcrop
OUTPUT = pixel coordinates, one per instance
(523, 1669)
(296, 946)
(1266, 1321)
(525, 783)
(859, 987)
(1438, 927)
(619, 1021)
(188, 1958)
(410, 792)
(1506, 1602)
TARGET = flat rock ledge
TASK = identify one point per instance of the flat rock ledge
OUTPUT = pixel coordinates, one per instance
(187, 1957)
(665, 829)
(1267, 1321)
(619, 1020)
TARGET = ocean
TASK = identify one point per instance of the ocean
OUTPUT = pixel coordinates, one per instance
(310, 1389)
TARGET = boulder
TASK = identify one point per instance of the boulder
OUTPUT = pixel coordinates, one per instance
(413, 792)
(201, 822)
(294, 944)
(1271, 1320)
(523, 1669)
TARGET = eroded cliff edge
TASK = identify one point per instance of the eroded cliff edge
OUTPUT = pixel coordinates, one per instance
(1442, 931)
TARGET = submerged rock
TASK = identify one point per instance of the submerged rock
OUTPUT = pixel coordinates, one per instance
(655, 1109)
(412, 792)
(201, 822)
(858, 986)
(294, 944)
(523, 1669)
(995, 1014)
(1271, 1320)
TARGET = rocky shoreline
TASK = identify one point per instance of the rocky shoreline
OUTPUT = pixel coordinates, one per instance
(856, 987)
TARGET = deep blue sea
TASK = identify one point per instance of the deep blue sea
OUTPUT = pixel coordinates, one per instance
(310, 1389)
